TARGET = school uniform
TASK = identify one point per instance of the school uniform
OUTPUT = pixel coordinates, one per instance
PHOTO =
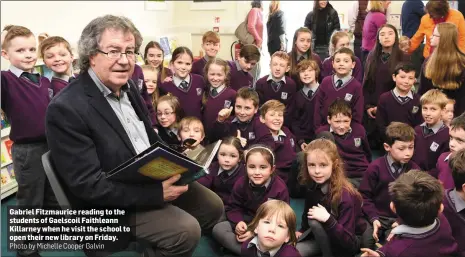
(283, 146)
(250, 248)
(444, 171)
(430, 143)
(239, 78)
(244, 202)
(357, 71)
(333, 88)
(138, 78)
(354, 150)
(24, 99)
(300, 58)
(199, 65)
(282, 90)
(60, 81)
(248, 129)
(375, 183)
(454, 211)
(189, 92)
(433, 240)
(218, 99)
(393, 107)
(343, 228)
(222, 181)
(303, 114)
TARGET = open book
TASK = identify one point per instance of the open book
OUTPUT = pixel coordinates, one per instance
(160, 162)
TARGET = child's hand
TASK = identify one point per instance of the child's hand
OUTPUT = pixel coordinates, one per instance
(391, 235)
(224, 114)
(372, 112)
(367, 252)
(303, 146)
(376, 227)
(168, 79)
(298, 234)
(243, 140)
(241, 228)
(244, 237)
(318, 213)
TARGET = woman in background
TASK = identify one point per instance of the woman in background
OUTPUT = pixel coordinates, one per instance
(255, 27)
(276, 28)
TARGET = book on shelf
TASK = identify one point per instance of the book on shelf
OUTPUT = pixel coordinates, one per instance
(160, 162)
(5, 176)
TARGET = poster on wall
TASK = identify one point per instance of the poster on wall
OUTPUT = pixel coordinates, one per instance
(207, 5)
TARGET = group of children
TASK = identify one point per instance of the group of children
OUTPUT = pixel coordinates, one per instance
(351, 202)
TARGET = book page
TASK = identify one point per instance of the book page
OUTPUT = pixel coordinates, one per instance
(161, 169)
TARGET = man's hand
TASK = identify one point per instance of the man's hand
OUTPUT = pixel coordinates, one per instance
(170, 191)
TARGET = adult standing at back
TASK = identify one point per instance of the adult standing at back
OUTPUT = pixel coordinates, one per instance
(276, 29)
(438, 11)
(322, 21)
(410, 18)
(255, 27)
(356, 18)
(375, 18)
(98, 122)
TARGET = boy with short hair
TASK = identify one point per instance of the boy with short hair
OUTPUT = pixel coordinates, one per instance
(340, 85)
(456, 143)
(454, 200)
(277, 136)
(25, 97)
(400, 104)
(399, 144)
(449, 112)
(211, 46)
(245, 124)
(416, 197)
(351, 140)
(191, 128)
(432, 137)
(240, 75)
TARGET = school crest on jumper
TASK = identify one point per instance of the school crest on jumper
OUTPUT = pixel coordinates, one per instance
(50, 93)
(284, 95)
(251, 135)
(348, 97)
(434, 146)
(140, 82)
(292, 142)
(199, 91)
(357, 142)
(227, 104)
(415, 109)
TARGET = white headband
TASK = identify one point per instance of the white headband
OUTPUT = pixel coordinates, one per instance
(261, 147)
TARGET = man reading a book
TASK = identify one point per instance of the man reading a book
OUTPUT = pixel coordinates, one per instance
(98, 122)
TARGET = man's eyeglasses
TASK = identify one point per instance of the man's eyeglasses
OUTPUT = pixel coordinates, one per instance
(114, 54)
(159, 114)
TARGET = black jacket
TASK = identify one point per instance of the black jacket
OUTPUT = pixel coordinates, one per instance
(276, 26)
(332, 23)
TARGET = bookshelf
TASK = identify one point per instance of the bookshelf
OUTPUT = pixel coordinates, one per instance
(9, 185)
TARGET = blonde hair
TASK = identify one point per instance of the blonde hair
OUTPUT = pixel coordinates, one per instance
(174, 103)
(274, 7)
(305, 64)
(226, 69)
(51, 42)
(187, 121)
(434, 96)
(155, 94)
(278, 208)
(281, 54)
(334, 39)
(376, 6)
(271, 105)
(338, 181)
(13, 32)
(447, 62)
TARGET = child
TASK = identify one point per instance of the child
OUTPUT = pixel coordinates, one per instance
(401, 103)
(399, 144)
(57, 55)
(449, 112)
(332, 218)
(404, 44)
(191, 128)
(454, 200)
(456, 143)
(304, 104)
(276, 85)
(338, 40)
(240, 75)
(138, 78)
(432, 137)
(340, 85)
(217, 95)
(274, 231)
(416, 197)
(25, 97)
(211, 46)
(155, 56)
(350, 139)
(185, 86)
(301, 50)
(229, 168)
(169, 113)
(151, 80)
(245, 124)
(277, 136)
(257, 187)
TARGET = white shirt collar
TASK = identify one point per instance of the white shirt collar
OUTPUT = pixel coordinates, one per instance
(18, 71)
(254, 241)
(218, 89)
(397, 94)
(447, 157)
(405, 229)
(270, 77)
(280, 133)
(458, 201)
(177, 81)
(436, 127)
